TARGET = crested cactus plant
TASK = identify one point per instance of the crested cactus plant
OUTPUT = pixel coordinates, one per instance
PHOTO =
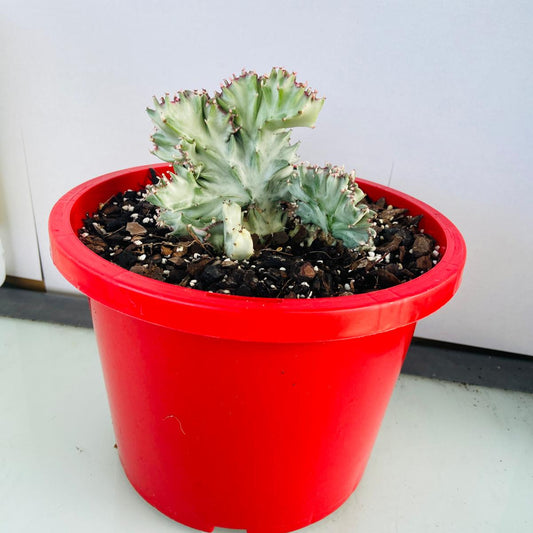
(236, 172)
(329, 199)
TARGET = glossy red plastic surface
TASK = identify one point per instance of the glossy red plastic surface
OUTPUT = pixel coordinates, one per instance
(245, 413)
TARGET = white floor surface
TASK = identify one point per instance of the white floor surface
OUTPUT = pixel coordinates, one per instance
(449, 458)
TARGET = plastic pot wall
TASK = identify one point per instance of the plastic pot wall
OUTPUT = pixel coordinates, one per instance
(245, 413)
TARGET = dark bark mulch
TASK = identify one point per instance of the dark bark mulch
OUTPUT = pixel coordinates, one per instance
(124, 231)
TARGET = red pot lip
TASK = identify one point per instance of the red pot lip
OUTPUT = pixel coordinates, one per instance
(173, 306)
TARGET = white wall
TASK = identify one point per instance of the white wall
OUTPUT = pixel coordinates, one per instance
(434, 96)
(17, 223)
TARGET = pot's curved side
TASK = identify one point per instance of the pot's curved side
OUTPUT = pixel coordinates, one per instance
(257, 436)
(240, 318)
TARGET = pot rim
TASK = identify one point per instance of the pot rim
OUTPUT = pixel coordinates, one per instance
(216, 315)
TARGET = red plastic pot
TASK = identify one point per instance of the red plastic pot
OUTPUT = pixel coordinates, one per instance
(246, 413)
